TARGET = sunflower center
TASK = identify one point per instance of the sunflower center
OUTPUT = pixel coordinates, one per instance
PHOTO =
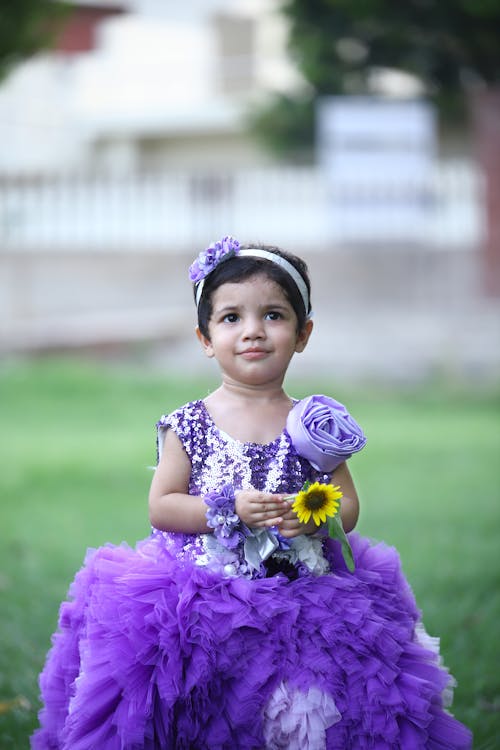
(315, 500)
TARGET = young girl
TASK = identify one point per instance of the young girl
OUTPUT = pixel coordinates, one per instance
(235, 624)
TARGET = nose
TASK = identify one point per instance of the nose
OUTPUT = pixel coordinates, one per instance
(253, 328)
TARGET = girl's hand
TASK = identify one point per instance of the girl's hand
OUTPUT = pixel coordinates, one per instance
(291, 526)
(260, 509)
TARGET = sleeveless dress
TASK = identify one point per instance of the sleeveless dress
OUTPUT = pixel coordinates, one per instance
(179, 644)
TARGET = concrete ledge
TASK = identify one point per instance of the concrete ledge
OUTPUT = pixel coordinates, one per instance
(95, 329)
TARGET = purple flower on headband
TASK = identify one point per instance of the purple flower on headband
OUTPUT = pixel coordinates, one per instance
(322, 430)
(208, 259)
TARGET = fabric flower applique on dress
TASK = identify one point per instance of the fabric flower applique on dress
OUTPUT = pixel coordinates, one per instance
(222, 517)
(323, 432)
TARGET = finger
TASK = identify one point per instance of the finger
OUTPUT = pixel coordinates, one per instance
(270, 517)
(271, 514)
(269, 500)
(287, 530)
(289, 533)
(273, 522)
(291, 525)
(267, 510)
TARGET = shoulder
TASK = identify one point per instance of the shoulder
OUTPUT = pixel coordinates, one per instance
(185, 422)
(182, 416)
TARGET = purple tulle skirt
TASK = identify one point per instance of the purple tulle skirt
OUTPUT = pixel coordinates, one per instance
(152, 653)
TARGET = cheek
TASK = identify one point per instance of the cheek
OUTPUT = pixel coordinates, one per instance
(222, 339)
(287, 342)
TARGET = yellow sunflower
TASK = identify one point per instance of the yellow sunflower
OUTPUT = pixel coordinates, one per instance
(317, 500)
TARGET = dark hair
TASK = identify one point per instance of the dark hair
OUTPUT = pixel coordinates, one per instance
(238, 268)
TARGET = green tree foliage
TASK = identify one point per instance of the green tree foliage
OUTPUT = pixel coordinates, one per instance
(449, 45)
(26, 26)
(285, 125)
(445, 43)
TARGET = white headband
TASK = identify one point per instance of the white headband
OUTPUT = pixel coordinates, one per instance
(255, 252)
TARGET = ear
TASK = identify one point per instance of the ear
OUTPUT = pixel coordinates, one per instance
(303, 336)
(206, 343)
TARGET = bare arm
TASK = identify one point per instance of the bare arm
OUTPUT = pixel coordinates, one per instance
(172, 508)
(349, 505)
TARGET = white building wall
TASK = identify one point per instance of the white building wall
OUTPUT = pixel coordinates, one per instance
(38, 130)
(156, 74)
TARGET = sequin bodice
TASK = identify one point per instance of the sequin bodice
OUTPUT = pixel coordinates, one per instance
(218, 459)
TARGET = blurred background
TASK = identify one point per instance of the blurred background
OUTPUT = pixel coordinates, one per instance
(134, 133)
(363, 136)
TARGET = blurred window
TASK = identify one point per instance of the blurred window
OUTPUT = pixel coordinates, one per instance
(235, 45)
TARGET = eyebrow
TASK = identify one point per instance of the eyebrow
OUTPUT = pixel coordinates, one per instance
(267, 306)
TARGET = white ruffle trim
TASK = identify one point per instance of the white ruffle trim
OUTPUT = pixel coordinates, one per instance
(431, 643)
(309, 550)
(294, 720)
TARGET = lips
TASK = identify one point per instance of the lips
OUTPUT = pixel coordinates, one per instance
(254, 352)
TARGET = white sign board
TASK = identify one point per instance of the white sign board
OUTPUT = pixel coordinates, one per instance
(378, 159)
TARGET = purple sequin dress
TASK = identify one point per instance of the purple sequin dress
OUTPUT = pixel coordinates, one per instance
(178, 644)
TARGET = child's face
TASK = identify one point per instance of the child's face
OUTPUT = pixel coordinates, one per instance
(253, 331)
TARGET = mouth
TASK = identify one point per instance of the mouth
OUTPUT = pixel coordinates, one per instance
(253, 353)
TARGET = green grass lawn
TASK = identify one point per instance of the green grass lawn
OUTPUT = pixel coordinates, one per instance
(76, 443)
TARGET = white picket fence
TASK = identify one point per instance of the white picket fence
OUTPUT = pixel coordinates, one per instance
(95, 260)
(292, 206)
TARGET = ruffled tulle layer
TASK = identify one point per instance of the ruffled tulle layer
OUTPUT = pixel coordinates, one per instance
(154, 654)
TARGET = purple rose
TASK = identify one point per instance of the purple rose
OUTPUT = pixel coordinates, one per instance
(209, 258)
(323, 431)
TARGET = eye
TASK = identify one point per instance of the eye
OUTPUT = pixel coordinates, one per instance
(230, 318)
(273, 315)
